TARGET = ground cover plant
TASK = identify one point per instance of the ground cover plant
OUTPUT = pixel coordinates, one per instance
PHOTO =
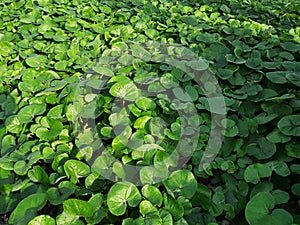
(107, 109)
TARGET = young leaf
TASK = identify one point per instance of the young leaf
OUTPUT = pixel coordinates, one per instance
(75, 169)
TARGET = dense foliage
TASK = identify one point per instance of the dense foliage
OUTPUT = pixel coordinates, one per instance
(60, 106)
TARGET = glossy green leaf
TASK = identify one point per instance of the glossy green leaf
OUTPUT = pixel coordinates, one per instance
(152, 194)
(38, 174)
(42, 219)
(27, 113)
(182, 182)
(145, 103)
(77, 207)
(13, 124)
(36, 60)
(125, 90)
(76, 169)
(121, 194)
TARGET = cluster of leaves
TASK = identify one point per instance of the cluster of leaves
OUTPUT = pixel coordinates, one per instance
(47, 176)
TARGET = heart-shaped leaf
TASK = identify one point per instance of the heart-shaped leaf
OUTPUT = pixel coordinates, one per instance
(125, 90)
(181, 182)
(290, 125)
(254, 172)
(258, 211)
(27, 113)
(152, 194)
(121, 194)
(75, 169)
(48, 128)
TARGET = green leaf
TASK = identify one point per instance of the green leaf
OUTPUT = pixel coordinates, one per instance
(13, 124)
(198, 65)
(27, 113)
(262, 149)
(38, 174)
(254, 63)
(181, 182)
(181, 94)
(173, 206)
(103, 71)
(27, 209)
(77, 207)
(72, 25)
(125, 90)
(231, 128)
(157, 127)
(145, 103)
(152, 175)
(76, 169)
(119, 170)
(278, 77)
(292, 149)
(42, 220)
(57, 196)
(140, 52)
(279, 167)
(206, 38)
(166, 217)
(254, 172)
(277, 137)
(48, 128)
(294, 78)
(121, 194)
(280, 197)
(257, 211)
(192, 92)
(102, 164)
(141, 122)
(107, 131)
(36, 60)
(296, 189)
(21, 167)
(290, 125)
(152, 194)
(147, 208)
(8, 144)
(175, 131)
(61, 65)
(69, 219)
(290, 46)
